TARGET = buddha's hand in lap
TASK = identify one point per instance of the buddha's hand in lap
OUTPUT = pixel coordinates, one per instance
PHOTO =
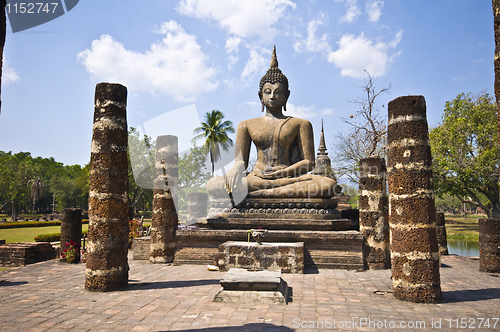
(271, 175)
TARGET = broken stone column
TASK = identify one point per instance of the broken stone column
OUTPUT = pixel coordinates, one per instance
(441, 234)
(489, 245)
(196, 207)
(412, 213)
(373, 214)
(71, 228)
(164, 221)
(107, 266)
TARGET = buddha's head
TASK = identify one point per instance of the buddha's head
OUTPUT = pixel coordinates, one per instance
(273, 89)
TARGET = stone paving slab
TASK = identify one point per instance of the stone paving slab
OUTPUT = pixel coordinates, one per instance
(50, 296)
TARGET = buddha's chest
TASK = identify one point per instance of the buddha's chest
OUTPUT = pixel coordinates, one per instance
(267, 134)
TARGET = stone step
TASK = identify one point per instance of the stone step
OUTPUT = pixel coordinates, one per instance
(277, 224)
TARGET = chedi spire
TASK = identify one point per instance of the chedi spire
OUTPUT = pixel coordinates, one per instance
(323, 163)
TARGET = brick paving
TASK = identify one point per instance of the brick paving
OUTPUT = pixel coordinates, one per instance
(50, 296)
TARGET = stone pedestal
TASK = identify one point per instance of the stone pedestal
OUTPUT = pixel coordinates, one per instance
(165, 218)
(141, 248)
(107, 266)
(441, 234)
(247, 287)
(373, 214)
(71, 228)
(412, 216)
(489, 245)
(196, 207)
(284, 257)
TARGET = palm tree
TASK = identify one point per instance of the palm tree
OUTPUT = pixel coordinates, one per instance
(36, 191)
(214, 131)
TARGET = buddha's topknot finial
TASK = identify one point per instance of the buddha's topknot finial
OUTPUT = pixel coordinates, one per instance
(273, 76)
(274, 59)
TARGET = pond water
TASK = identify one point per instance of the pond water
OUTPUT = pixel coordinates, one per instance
(463, 248)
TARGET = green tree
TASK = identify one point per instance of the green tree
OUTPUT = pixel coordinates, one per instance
(15, 173)
(141, 167)
(465, 152)
(192, 174)
(192, 168)
(215, 132)
(67, 191)
(36, 191)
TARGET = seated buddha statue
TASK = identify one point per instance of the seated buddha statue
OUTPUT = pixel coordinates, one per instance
(285, 150)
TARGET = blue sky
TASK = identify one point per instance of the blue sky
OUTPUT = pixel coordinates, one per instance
(201, 55)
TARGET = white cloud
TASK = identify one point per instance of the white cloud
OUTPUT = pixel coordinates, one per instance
(352, 11)
(356, 54)
(176, 65)
(232, 44)
(374, 9)
(9, 74)
(255, 64)
(306, 112)
(313, 43)
(241, 18)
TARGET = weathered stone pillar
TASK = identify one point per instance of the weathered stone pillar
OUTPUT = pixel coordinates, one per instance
(71, 228)
(412, 213)
(196, 207)
(441, 234)
(373, 214)
(164, 221)
(489, 245)
(107, 266)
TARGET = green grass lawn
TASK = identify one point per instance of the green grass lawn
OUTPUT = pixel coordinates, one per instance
(458, 228)
(28, 234)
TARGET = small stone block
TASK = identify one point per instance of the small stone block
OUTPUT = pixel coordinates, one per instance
(241, 279)
(248, 287)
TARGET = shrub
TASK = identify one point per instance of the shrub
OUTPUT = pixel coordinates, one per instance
(48, 237)
(51, 237)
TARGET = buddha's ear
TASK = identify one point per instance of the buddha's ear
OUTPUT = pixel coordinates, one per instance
(287, 94)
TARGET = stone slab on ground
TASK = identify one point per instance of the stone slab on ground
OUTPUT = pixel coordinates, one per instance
(281, 256)
(252, 287)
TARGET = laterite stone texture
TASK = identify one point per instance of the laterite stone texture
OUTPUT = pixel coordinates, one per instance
(106, 262)
(71, 228)
(441, 234)
(412, 216)
(165, 219)
(489, 245)
(373, 214)
(284, 257)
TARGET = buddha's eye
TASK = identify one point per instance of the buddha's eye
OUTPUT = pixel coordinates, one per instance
(268, 91)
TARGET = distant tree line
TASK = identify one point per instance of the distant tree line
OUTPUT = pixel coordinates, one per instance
(32, 185)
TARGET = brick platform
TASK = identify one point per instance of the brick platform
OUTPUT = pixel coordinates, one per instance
(322, 249)
(24, 253)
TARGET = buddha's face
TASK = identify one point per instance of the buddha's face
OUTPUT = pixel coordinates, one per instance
(274, 96)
